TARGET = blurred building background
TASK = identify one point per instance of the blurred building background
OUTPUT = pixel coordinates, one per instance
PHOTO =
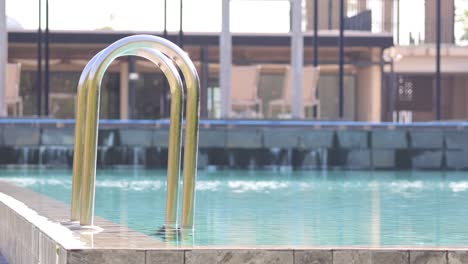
(358, 60)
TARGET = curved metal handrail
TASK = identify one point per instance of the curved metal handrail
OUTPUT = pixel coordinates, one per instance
(192, 82)
(78, 145)
(88, 89)
(89, 152)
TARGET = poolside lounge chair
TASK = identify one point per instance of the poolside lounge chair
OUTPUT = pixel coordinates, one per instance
(310, 75)
(310, 79)
(12, 97)
(244, 100)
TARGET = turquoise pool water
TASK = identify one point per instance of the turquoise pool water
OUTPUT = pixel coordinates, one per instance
(246, 208)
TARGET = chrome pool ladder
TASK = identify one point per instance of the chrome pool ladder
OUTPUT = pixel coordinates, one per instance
(164, 54)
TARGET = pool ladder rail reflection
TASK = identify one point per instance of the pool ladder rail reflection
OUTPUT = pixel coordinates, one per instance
(166, 55)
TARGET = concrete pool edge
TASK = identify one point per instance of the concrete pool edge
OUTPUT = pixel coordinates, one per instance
(25, 239)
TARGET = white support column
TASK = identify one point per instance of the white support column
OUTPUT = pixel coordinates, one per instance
(297, 59)
(225, 55)
(123, 89)
(3, 56)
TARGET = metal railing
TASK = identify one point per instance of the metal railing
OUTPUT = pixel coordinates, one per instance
(164, 54)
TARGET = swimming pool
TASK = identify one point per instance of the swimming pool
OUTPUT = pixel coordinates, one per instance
(314, 208)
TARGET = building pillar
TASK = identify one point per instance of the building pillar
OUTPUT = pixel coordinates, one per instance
(47, 63)
(123, 89)
(3, 57)
(205, 75)
(369, 92)
(438, 73)
(362, 5)
(447, 11)
(387, 15)
(328, 17)
(316, 17)
(225, 55)
(297, 59)
(341, 61)
(132, 78)
(39, 61)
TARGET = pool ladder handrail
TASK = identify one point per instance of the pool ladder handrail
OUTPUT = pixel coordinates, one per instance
(163, 53)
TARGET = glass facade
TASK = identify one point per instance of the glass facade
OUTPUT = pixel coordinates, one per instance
(328, 92)
(149, 93)
(28, 92)
(62, 94)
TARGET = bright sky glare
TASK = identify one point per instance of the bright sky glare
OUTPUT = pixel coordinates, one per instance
(250, 16)
(148, 15)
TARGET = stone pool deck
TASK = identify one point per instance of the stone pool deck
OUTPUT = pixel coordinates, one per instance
(26, 237)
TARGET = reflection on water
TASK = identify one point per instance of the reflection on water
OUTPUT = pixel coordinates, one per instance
(282, 208)
(175, 237)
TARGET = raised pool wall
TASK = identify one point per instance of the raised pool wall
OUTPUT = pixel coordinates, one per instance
(253, 145)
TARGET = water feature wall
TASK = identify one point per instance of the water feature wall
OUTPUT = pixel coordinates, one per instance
(247, 146)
